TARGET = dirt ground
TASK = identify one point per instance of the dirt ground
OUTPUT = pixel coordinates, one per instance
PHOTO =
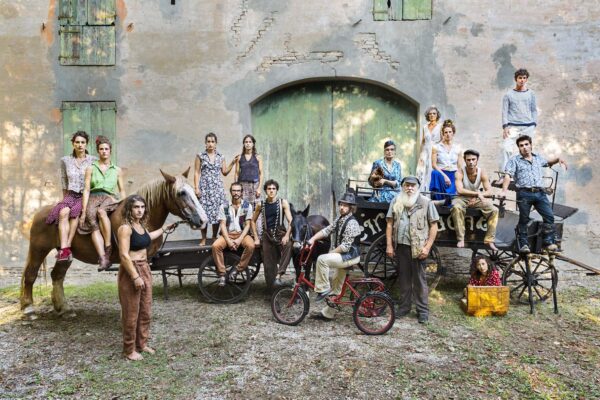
(210, 351)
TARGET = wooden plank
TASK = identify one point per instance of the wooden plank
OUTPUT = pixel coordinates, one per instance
(596, 271)
(72, 12)
(103, 122)
(380, 10)
(70, 45)
(101, 12)
(396, 7)
(416, 9)
(76, 117)
(98, 45)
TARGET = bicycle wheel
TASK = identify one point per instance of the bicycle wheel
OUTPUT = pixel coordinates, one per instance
(374, 313)
(233, 291)
(289, 308)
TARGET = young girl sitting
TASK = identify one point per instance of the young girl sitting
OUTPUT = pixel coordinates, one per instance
(484, 273)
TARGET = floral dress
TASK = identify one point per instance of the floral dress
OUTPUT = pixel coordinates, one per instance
(212, 192)
(424, 168)
(386, 193)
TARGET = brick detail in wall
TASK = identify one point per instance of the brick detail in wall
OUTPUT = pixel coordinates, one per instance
(291, 56)
(236, 26)
(367, 43)
(262, 30)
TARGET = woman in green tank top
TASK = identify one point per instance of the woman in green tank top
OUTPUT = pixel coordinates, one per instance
(102, 179)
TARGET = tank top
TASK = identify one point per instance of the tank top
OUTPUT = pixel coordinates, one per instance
(137, 241)
(248, 169)
(467, 184)
(272, 217)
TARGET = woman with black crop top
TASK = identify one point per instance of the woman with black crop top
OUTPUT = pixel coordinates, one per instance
(135, 280)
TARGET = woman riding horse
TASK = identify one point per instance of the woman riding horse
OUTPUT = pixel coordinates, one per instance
(171, 194)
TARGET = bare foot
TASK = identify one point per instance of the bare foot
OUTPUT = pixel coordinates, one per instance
(203, 242)
(492, 246)
(134, 356)
(148, 350)
(460, 244)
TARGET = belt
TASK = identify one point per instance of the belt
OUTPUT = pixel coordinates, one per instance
(531, 190)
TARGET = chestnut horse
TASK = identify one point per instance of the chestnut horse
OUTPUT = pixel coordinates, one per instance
(169, 194)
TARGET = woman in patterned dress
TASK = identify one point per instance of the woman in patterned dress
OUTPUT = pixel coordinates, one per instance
(392, 174)
(208, 184)
(430, 136)
(66, 213)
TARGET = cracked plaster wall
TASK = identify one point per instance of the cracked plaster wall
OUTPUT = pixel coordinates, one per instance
(186, 69)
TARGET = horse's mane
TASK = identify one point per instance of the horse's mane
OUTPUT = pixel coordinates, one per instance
(154, 192)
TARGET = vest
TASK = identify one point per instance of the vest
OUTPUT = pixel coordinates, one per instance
(241, 216)
(468, 184)
(354, 248)
(419, 225)
(278, 216)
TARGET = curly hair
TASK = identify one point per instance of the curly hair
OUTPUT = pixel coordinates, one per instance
(521, 72)
(449, 124)
(128, 210)
(102, 140)
(475, 271)
(432, 108)
(82, 134)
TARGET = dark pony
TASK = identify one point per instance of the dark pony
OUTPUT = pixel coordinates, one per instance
(304, 226)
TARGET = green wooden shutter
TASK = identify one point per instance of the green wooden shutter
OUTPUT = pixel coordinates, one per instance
(72, 12)
(95, 118)
(396, 10)
(87, 45)
(101, 12)
(380, 10)
(416, 9)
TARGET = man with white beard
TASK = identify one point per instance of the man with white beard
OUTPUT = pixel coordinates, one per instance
(410, 233)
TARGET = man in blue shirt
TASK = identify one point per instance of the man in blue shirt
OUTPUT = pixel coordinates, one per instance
(526, 169)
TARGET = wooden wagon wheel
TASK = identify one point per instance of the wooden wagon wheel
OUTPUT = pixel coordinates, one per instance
(232, 292)
(501, 257)
(377, 264)
(531, 279)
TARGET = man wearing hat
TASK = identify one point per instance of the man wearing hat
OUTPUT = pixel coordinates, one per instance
(344, 253)
(410, 232)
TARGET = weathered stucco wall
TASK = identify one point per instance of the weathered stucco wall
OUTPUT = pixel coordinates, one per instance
(185, 69)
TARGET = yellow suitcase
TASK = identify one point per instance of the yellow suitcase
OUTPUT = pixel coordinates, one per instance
(483, 301)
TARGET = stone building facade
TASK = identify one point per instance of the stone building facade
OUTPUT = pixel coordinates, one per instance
(182, 68)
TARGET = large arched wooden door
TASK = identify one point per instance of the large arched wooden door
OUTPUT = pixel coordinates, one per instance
(314, 136)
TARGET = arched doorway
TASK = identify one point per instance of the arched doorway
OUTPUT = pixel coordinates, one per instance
(314, 136)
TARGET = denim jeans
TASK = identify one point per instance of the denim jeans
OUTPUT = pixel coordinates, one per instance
(539, 200)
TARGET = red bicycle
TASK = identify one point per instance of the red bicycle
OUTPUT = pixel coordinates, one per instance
(373, 310)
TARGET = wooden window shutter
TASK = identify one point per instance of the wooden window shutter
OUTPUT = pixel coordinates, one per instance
(416, 9)
(101, 12)
(72, 12)
(87, 45)
(70, 45)
(95, 118)
(396, 7)
(380, 10)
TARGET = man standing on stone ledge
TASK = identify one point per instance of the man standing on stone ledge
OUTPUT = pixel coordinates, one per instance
(412, 225)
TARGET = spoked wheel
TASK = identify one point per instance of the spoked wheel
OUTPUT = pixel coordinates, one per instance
(501, 258)
(377, 264)
(433, 268)
(364, 287)
(374, 313)
(253, 270)
(542, 277)
(289, 308)
(233, 291)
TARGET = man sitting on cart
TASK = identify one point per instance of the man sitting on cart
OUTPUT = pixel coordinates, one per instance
(235, 221)
(345, 251)
(526, 169)
(469, 179)
(411, 230)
